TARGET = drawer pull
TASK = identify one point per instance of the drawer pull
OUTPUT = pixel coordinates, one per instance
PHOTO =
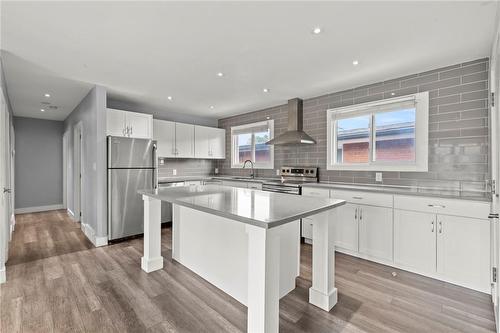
(436, 206)
(440, 227)
(356, 214)
(432, 224)
(359, 198)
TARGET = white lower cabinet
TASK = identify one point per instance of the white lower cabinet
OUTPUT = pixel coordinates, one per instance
(375, 231)
(463, 251)
(346, 227)
(453, 248)
(415, 241)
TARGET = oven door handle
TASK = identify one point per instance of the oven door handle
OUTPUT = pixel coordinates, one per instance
(279, 191)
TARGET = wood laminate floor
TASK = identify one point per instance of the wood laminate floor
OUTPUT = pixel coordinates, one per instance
(56, 282)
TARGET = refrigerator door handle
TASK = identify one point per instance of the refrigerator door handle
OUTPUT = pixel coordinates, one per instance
(155, 169)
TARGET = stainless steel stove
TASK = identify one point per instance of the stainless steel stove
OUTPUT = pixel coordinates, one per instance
(292, 179)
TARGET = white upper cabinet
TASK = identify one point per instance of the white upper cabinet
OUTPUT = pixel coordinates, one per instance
(164, 134)
(210, 142)
(115, 123)
(129, 124)
(184, 140)
(174, 139)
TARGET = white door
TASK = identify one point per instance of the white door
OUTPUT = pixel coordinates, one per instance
(346, 227)
(164, 134)
(415, 241)
(115, 122)
(4, 188)
(184, 140)
(202, 142)
(78, 177)
(375, 231)
(139, 125)
(218, 143)
(463, 251)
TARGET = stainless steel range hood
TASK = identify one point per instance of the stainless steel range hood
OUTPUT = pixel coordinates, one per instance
(294, 134)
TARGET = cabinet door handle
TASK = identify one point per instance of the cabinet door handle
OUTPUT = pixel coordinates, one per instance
(440, 227)
(360, 214)
(131, 130)
(432, 224)
(356, 214)
(124, 132)
(359, 198)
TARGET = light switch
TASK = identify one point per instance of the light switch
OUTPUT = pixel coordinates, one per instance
(174, 172)
(277, 172)
(162, 161)
(378, 176)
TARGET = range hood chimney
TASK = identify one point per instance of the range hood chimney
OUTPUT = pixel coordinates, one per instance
(294, 134)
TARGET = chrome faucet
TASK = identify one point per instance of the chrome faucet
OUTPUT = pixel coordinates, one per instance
(245, 163)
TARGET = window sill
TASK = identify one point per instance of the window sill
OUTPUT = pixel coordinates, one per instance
(397, 168)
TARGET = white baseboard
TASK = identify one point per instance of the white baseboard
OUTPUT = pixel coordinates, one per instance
(72, 215)
(37, 209)
(90, 233)
(3, 275)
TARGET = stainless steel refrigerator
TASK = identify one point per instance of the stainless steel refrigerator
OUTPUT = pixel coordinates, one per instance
(131, 167)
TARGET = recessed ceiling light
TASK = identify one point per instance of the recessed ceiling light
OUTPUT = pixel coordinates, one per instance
(169, 98)
(316, 30)
(265, 90)
(211, 106)
(355, 62)
(47, 95)
(220, 74)
(43, 110)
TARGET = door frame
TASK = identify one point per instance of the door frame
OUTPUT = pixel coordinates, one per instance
(78, 173)
(5, 219)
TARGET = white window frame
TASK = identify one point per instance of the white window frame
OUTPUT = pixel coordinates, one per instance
(250, 127)
(421, 163)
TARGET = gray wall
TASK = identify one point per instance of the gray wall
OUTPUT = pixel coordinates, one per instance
(458, 128)
(91, 113)
(38, 162)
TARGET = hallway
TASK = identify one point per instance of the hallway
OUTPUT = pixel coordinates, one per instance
(44, 235)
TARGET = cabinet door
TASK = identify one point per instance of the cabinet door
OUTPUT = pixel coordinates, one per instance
(375, 231)
(164, 134)
(415, 241)
(139, 124)
(184, 140)
(463, 248)
(115, 122)
(346, 227)
(202, 142)
(307, 225)
(217, 143)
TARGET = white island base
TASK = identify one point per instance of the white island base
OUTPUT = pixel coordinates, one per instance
(255, 265)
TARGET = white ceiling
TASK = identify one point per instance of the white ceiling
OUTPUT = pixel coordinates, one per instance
(146, 51)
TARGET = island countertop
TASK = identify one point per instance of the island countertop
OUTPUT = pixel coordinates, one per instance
(255, 207)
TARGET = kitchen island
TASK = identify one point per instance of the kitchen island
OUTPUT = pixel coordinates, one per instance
(245, 242)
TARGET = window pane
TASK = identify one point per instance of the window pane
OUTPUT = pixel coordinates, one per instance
(353, 136)
(262, 151)
(244, 148)
(395, 136)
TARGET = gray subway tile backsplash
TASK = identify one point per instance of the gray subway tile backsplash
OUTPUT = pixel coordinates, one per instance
(458, 143)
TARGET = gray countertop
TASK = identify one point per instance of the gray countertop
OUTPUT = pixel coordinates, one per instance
(255, 207)
(404, 190)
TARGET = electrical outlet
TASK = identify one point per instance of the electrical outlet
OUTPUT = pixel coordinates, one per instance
(378, 176)
(162, 161)
(174, 172)
(216, 171)
(277, 172)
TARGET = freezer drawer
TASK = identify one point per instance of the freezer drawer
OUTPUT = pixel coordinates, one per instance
(125, 206)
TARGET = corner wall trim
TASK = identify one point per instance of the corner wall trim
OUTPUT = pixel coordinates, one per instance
(89, 232)
(3, 275)
(101, 241)
(38, 209)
